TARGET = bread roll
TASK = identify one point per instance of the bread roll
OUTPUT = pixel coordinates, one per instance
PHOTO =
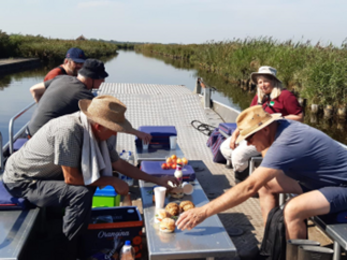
(172, 208)
(167, 225)
(161, 214)
(186, 205)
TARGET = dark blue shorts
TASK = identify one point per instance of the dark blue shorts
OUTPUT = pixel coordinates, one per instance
(336, 196)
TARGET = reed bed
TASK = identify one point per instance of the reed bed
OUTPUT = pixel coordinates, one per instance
(313, 72)
(51, 50)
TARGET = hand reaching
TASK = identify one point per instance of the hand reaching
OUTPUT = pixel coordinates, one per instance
(144, 136)
(191, 218)
(163, 181)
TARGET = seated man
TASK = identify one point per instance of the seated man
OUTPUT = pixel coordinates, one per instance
(73, 62)
(297, 159)
(64, 92)
(69, 156)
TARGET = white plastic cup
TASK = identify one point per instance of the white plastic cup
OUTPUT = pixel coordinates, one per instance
(145, 145)
(173, 142)
(159, 194)
(188, 189)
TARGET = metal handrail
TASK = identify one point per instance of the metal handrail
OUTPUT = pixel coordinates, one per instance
(10, 126)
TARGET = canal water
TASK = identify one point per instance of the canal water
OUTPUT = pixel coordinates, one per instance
(133, 67)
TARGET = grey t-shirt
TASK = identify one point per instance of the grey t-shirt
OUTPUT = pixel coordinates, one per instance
(307, 155)
(60, 98)
(58, 143)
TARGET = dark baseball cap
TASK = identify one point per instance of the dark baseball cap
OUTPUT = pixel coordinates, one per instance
(94, 69)
(76, 54)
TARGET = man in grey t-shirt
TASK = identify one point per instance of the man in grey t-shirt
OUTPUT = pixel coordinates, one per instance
(63, 93)
(297, 159)
(47, 170)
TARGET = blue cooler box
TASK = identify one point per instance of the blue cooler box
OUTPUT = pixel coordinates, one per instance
(160, 135)
(154, 168)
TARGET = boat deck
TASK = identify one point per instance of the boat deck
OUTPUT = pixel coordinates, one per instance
(177, 105)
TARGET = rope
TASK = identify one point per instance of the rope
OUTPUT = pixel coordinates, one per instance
(202, 127)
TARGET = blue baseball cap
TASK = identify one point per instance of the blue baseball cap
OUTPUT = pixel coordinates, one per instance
(76, 54)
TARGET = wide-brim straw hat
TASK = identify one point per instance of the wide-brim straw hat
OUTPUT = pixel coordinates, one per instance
(252, 120)
(107, 111)
(264, 71)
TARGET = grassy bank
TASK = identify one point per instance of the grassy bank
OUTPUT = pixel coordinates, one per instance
(52, 50)
(313, 72)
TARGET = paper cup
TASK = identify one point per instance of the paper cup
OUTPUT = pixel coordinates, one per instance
(173, 142)
(159, 193)
(145, 145)
(188, 189)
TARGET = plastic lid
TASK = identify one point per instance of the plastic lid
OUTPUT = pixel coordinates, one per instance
(127, 243)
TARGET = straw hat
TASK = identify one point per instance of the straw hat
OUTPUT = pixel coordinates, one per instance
(252, 120)
(107, 111)
(264, 70)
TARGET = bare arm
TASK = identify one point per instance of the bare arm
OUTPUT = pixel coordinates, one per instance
(135, 173)
(229, 199)
(234, 136)
(37, 91)
(73, 176)
(299, 117)
(142, 135)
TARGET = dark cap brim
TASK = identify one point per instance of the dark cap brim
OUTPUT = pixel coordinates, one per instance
(78, 60)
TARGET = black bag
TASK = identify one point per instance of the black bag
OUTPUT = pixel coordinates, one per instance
(273, 246)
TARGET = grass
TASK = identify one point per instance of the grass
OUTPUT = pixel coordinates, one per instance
(50, 50)
(313, 72)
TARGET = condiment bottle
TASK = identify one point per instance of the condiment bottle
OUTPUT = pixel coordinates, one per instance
(179, 174)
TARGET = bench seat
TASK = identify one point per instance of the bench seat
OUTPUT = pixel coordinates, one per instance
(336, 231)
(15, 229)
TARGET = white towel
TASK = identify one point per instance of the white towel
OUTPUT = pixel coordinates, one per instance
(94, 163)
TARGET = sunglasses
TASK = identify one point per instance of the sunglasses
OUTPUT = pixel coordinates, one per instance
(248, 139)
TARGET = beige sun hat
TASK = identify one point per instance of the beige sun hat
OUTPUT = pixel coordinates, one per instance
(252, 120)
(264, 70)
(107, 111)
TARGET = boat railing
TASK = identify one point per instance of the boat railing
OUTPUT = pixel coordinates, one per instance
(13, 137)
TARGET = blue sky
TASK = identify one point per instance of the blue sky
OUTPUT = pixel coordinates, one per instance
(179, 21)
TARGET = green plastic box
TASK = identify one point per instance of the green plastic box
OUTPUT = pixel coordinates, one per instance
(106, 197)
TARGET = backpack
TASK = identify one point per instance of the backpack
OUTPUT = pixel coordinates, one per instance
(273, 246)
(214, 142)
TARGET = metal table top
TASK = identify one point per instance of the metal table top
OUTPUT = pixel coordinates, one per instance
(207, 240)
(157, 154)
(15, 227)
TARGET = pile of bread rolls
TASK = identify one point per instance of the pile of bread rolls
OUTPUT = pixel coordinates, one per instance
(167, 216)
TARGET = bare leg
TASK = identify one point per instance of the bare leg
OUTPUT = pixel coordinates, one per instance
(268, 195)
(298, 209)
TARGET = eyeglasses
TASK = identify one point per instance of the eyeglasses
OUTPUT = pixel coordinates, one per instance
(248, 139)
